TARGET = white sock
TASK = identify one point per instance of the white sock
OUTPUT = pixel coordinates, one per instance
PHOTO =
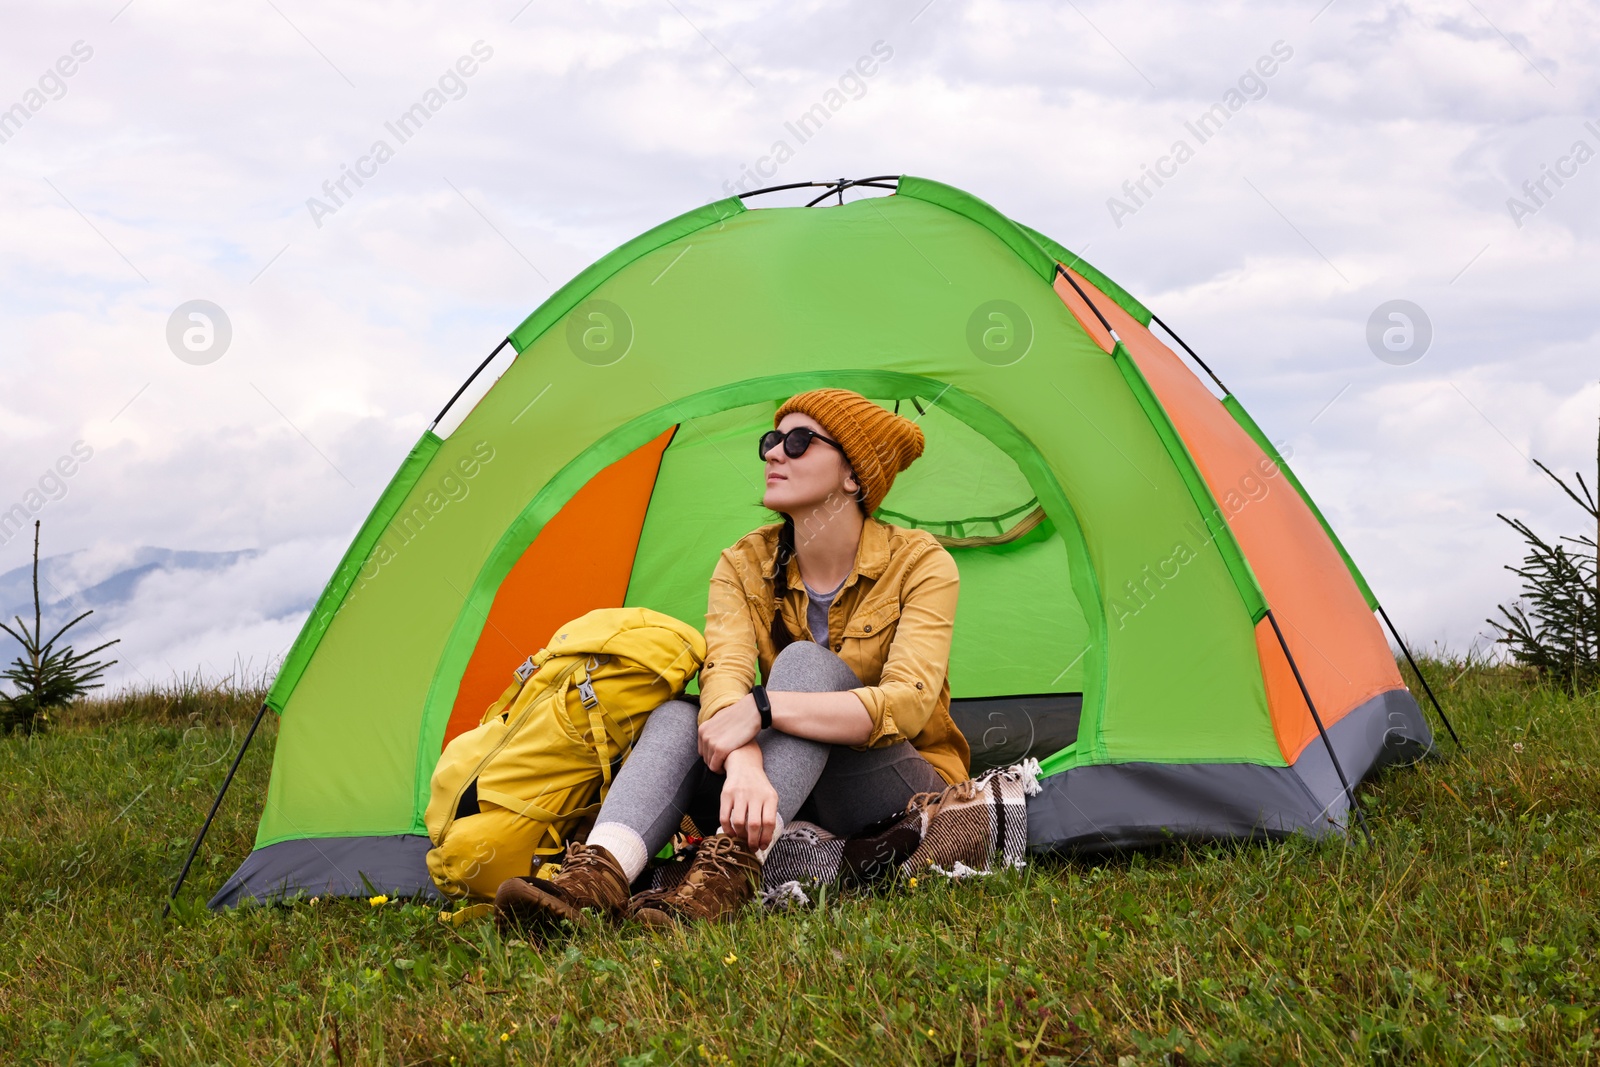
(776, 833)
(624, 844)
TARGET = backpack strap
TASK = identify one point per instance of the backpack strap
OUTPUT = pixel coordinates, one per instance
(550, 841)
(597, 722)
(599, 735)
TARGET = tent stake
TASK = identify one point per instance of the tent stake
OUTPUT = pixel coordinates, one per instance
(1361, 817)
(1425, 686)
(212, 814)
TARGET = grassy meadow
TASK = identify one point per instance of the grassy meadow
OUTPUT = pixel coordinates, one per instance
(1469, 932)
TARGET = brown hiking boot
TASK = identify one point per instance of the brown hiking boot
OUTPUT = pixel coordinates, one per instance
(723, 878)
(590, 877)
(876, 852)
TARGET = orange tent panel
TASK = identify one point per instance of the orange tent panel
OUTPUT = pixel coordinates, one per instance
(1082, 312)
(580, 561)
(1334, 638)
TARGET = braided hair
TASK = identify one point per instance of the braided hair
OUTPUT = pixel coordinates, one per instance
(781, 638)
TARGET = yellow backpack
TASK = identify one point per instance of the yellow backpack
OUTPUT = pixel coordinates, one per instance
(518, 785)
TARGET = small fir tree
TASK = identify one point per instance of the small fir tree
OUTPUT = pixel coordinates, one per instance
(48, 675)
(1558, 632)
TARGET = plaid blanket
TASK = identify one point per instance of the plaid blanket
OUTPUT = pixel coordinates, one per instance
(970, 829)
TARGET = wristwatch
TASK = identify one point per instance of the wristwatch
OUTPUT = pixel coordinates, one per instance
(763, 705)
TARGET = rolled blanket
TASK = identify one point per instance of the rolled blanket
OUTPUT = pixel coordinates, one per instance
(972, 828)
(976, 825)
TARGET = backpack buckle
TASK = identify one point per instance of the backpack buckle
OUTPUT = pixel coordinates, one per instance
(586, 686)
(525, 671)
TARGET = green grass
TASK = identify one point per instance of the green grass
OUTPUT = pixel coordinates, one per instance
(1466, 934)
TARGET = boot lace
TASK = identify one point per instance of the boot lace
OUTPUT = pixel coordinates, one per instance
(721, 856)
(712, 856)
(583, 862)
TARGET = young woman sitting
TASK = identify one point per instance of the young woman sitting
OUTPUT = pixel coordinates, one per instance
(850, 619)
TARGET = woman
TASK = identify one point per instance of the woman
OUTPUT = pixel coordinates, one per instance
(850, 619)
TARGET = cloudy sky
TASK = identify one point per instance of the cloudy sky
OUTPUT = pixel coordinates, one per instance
(176, 161)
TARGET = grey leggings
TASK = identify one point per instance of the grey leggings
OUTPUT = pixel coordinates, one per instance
(664, 777)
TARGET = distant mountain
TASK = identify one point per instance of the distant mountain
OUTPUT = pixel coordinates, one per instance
(67, 586)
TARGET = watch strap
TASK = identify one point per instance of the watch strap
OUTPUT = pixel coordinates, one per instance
(763, 705)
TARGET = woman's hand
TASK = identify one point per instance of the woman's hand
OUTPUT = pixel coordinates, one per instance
(728, 730)
(749, 803)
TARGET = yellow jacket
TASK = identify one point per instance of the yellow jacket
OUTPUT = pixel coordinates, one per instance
(891, 622)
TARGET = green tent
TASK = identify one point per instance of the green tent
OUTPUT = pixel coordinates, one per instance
(1150, 604)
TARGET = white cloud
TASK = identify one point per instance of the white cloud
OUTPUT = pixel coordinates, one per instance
(192, 138)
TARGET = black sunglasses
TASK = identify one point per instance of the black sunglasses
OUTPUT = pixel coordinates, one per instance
(795, 442)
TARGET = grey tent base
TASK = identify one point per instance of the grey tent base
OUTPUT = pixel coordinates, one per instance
(1086, 809)
(1129, 805)
(331, 866)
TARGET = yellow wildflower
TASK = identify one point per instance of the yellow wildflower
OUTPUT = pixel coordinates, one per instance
(913, 883)
(655, 962)
(505, 1037)
(730, 959)
(379, 900)
(930, 1031)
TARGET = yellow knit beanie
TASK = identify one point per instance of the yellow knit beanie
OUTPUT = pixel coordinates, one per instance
(878, 444)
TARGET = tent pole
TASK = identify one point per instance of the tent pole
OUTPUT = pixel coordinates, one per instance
(212, 814)
(470, 379)
(1425, 686)
(1157, 319)
(1079, 290)
(836, 187)
(1361, 817)
(875, 181)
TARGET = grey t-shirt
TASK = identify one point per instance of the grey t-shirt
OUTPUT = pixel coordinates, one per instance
(817, 605)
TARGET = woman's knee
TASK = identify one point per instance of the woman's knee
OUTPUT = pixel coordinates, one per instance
(673, 722)
(807, 667)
